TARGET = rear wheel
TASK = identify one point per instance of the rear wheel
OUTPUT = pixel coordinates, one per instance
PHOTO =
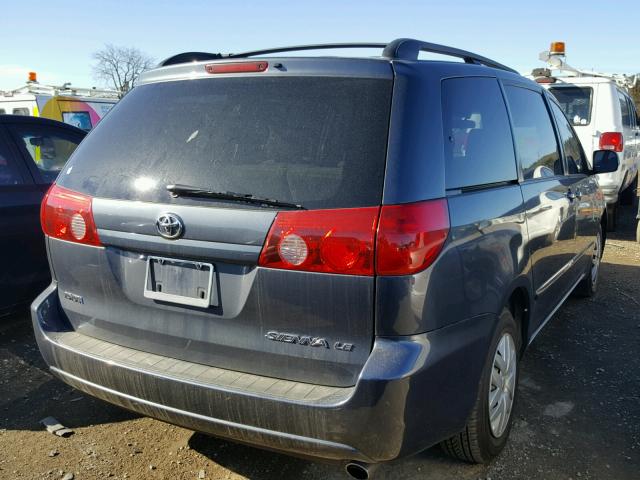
(490, 422)
(589, 284)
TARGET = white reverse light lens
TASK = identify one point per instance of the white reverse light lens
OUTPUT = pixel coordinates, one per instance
(78, 226)
(293, 249)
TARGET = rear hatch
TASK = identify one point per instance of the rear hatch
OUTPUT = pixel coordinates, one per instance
(300, 140)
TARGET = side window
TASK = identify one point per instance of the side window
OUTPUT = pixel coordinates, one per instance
(573, 153)
(49, 148)
(2, 111)
(634, 114)
(624, 110)
(477, 137)
(9, 174)
(21, 111)
(536, 143)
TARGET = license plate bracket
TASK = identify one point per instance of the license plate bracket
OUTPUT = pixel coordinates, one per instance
(183, 282)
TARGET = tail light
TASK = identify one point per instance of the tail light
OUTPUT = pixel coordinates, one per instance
(335, 241)
(611, 141)
(66, 215)
(409, 238)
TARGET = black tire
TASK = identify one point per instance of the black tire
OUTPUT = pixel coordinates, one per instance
(627, 196)
(476, 443)
(589, 284)
(612, 217)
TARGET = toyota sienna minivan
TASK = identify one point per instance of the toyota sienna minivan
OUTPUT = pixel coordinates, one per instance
(340, 258)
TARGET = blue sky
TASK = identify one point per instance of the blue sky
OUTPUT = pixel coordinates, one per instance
(56, 39)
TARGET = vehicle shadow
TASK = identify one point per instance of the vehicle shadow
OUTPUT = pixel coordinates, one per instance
(254, 463)
(626, 225)
(258, 464)
(32, 393)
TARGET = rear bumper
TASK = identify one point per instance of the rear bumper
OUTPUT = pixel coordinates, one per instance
(412, 393)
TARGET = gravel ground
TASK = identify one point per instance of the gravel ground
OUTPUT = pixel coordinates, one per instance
(577, 416)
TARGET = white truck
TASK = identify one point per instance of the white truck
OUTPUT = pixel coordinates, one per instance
(604, 117)
(80, 107)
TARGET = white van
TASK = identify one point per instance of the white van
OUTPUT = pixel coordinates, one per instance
(604, 117)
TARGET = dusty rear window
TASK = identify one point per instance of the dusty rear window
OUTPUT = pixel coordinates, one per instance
(315, 141)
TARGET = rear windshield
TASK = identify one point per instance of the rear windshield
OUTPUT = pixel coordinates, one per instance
(575, 103)
(315, 141)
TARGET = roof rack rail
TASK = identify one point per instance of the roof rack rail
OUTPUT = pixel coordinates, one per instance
(409, 49)
(299, 48)
(399, 49)
(202, 56)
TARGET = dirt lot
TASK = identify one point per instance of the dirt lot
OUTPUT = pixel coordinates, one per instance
(577, 416)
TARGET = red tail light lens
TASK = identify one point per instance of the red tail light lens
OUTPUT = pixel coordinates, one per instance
(409, 239)
(411, 236)
(331, 241)
(611, 141)
(67, 215)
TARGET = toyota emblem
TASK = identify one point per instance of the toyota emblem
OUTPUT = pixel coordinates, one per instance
(170, 225)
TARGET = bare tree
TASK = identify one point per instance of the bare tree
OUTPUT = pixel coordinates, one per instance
(120, 67)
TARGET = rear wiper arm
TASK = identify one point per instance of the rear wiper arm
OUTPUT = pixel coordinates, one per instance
(177, 190)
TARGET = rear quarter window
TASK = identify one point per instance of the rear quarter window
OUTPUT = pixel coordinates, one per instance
(47, 147)
(477, 136)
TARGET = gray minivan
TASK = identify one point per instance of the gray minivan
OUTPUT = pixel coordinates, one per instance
(341, 258)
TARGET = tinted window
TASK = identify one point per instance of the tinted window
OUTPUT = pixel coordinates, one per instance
(575, 103)
(573, 153)
(315, 141)
(477, 136)
(21, 111)
(9, 174)
(533, 132)
(49, 148)
(624, 110)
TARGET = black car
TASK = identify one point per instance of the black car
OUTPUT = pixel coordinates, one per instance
(32, 152)
(341, 258)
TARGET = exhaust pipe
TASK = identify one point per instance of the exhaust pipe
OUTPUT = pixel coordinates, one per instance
(360, 471)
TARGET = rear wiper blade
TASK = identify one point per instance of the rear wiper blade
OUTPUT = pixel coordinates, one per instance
(178, 190)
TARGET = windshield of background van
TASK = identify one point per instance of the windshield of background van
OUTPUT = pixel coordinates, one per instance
(575, 103)
(315, 141)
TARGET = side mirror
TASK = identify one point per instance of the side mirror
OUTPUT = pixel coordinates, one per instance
(605, 161)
